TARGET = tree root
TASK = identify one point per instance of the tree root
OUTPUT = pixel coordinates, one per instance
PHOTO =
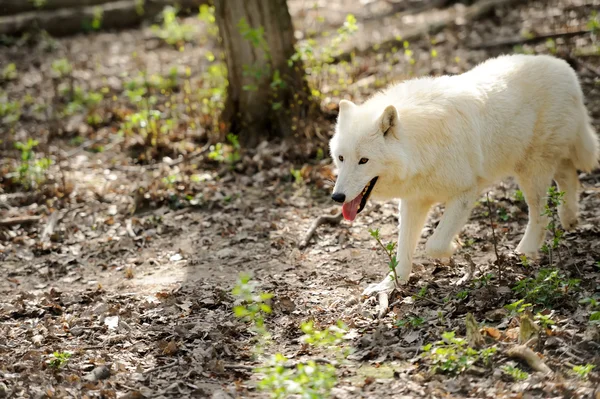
(331, 219)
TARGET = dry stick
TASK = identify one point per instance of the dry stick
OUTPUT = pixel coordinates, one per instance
(50, 226)
(533, 360)
(523, 40)
(19, 220)
(470, 13)
(467, 277)
(494, 237)
(331, 219)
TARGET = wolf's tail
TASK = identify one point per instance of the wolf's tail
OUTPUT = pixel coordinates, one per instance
(587, 147)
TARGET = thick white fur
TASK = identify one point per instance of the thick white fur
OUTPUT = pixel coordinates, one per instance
(452, 136)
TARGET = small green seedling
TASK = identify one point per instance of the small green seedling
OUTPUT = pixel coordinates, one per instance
(518, 307)
(516, 373)
(253, 306)
(548, 288)
(413, 321)
(583, 371)
(58, 359)
(389, 251)
(545, 320)
(453, 356)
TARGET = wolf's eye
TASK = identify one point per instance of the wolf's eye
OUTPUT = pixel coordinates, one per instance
(341, 158)
(363, 161)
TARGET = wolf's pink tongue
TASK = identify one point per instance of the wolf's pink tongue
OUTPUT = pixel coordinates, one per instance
(350, 209)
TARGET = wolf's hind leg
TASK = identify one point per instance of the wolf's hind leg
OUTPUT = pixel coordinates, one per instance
(567, 180)
(534, 187)
(412, 218)
(441, 243)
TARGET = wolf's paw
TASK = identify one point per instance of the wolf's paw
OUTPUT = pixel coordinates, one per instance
(387, 285)
(440, 250)
(383, 291)
(531, 252)
(568, 220)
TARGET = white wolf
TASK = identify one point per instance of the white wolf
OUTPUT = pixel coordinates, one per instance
(445, 139)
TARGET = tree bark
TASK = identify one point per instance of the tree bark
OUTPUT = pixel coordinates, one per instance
(259, 106)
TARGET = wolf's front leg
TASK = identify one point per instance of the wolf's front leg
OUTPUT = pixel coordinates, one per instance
(412, 218)
(458, 209)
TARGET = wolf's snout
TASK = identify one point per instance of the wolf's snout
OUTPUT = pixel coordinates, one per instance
(338, 197)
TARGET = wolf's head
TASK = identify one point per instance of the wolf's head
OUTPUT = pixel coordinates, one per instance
(358, 149)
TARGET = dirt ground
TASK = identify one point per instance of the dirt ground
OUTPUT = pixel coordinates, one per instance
(128, 258)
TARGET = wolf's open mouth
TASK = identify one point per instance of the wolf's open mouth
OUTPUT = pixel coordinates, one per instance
(352, 208)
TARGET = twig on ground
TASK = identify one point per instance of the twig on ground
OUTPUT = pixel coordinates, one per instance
(331, 219)
(19, 220)
(523, 352)
(469, 275)
(50, 226)
(498, 261)
(159, 368)
(525, 40)
(452, 17)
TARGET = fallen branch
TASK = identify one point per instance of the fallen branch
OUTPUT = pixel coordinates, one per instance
(50, 226)
(19, 220)
(331, 219)
(523, 352)
(469, 275)
(116, 14)
(526, 40)
(455, 15)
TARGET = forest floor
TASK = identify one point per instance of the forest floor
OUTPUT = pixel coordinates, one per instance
(118, 257)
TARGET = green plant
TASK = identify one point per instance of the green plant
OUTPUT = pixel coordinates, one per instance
(62, 68)
(518, 307)
(594, 305)
(229, 153)
(173, 32)
(297, 174)
(58, 359)
(413, 321)
(503, 214)
(551, 46)
(9, 72)
(308, 380)
(555, 198)
(322, 338)
(594, 23)
(253, 306)
(452, 355)
(519, 197)
(82, 100)
(583, 371)
(206, 14)
(10, 111)
(462, 294)
(545, 320)
(389, 251)
(483, 281)
(516, 373)
(96, 22)
(30, 172)
(549, 286)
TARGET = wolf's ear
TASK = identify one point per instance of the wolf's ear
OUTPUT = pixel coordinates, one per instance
(389, 119)
(346, 106)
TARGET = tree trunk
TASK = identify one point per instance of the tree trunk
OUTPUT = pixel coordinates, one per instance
(266, 97)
